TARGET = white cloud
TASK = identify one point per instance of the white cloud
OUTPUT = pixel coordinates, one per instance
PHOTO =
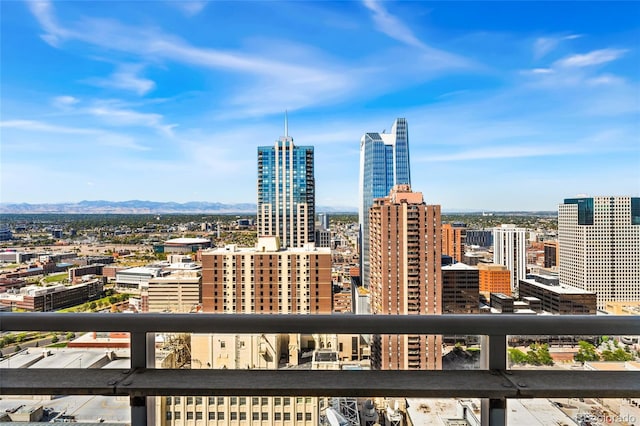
(391, 25)
(64, 102)
(542, 71)
(110, 112)
(39, 126)
(545, 45)
(102, 137)
(189, 7)
(126, 78)
(43, 11)
(595, 57)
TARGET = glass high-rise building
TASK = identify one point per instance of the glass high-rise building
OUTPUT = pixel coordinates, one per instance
(286, 192)
(384, 163)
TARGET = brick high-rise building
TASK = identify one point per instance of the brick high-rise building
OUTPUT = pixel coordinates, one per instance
(267, 280)
(405, 276)
(384, 162)
(453, 240)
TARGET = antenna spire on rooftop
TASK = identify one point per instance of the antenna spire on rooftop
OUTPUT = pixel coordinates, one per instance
(286, 124)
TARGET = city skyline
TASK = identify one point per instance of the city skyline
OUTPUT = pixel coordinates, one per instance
(164, 102)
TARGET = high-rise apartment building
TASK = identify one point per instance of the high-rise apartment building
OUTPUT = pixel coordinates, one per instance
(509, 249)
(286, 192)
(266, 279)
(405, 276)
(599, 246)
(384, 162)
(453, 240)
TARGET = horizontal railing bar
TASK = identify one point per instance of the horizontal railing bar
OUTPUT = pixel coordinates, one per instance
(367, 383)
(503, 324)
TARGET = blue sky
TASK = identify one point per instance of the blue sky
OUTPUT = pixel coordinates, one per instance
(510, 105)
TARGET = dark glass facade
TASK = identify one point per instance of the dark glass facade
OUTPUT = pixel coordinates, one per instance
(585, 209)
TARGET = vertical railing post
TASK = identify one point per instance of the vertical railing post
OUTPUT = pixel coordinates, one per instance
(494, 357)
(142, 356)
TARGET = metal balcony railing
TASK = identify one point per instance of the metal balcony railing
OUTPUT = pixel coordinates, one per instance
(494, 385)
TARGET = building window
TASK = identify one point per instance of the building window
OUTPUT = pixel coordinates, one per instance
(255, 400)
(212, 400)
(198, 400)
(287, 417)
(189, 415)
(198, 415)
(243, 400)
(212, 415)
(265, 416)
(176, 415)
(234, 400)
(307, 416)
(243, 415)
(189, 400)
(234, 415)
(220, 415)
(299, 417)
(168, 416)
(255, 416)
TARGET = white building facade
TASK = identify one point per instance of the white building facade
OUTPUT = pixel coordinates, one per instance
(509, 249)
(599, 246)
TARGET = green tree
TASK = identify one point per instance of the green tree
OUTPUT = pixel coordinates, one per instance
(516, 356)
(54, 339)
(616, 355)
(70, 335)
(93, 305)
(586, 352)
(538, 354)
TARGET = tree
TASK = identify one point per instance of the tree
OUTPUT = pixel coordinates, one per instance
(54, 339)
(93, 305)
(616, 355)
(516, 356)
(538, 354)
(586, 352)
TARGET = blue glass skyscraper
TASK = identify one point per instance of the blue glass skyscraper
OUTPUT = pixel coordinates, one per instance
(286, 192)
(384, 162)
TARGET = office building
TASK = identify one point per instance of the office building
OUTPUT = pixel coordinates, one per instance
(599, 244)
(558, 298)
(550, 254)
(453, 240)
(460, 289)
(509, 250)
(494, 279)
(384, 162)
(479, 237)
(286, 192)
(177, 292)
(405, 276)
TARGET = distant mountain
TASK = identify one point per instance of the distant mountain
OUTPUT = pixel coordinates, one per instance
(128, 207)
(141, 207)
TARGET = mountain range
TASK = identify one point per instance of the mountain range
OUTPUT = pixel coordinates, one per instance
(141, 207)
